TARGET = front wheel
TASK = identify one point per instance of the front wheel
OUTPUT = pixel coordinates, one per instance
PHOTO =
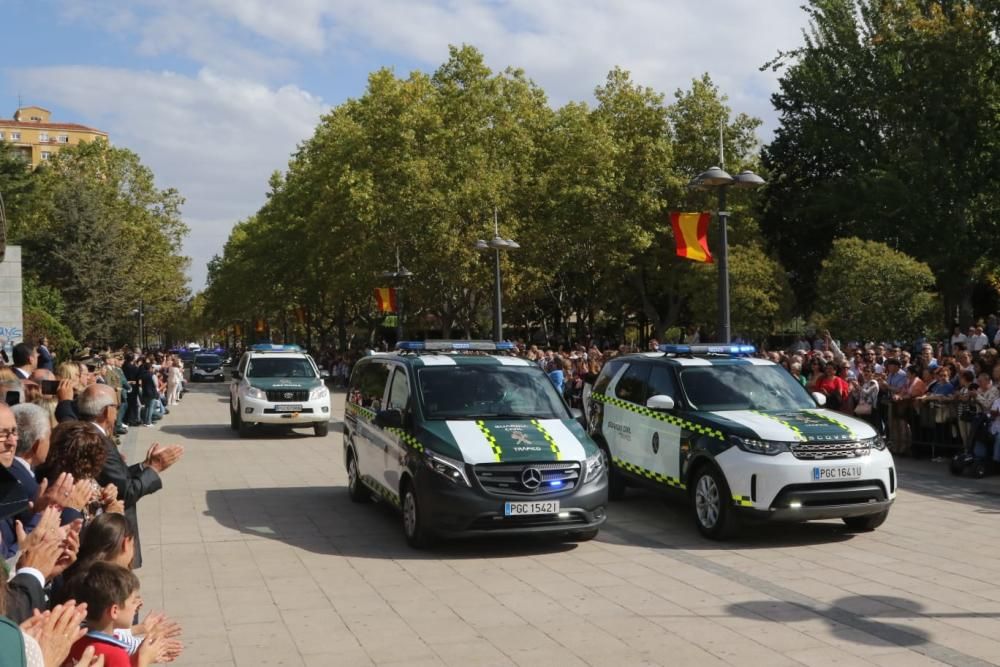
(414, 524)
(233, 419)
(243, 427)
(864, 524)
(713, 512)
(321, 428)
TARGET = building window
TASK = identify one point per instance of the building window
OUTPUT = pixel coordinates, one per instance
(64, 138)
(46, 155)
(1, 136)
(15, 136)
(43, 136)
(38, 118)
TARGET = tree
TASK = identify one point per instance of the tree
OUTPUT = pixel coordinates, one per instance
(889, 132)
(869, 291)
(98, 230)
(760, 295)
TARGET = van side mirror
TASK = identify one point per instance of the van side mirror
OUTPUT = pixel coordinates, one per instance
(820, 398)
(389, 418)
(660, 402)
(325, 374)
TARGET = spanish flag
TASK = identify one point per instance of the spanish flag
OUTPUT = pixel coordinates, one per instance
(385, 299)
(691, 234)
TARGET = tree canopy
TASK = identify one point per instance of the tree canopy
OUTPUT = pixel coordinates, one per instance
(423, 165)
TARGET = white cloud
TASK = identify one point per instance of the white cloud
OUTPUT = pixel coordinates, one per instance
(215, 139)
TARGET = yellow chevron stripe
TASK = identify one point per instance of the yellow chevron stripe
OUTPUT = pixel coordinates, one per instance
(660, 416)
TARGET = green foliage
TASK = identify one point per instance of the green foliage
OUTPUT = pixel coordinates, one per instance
(38, 322)
(42, 297)
(98, 232)
(423, 164)
(889, 131)
(760, 296)
(868, 291)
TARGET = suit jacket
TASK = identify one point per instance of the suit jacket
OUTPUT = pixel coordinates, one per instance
(66, 412)
(21, 374)
(24, 594)
(44, 358)
(133, 482)
(8, 533)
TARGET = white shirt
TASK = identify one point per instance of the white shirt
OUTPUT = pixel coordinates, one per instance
(978, 342)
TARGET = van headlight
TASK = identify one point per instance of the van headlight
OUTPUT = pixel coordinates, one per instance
(450, 469)
(596, 466)
(755, 446)
(318, 393)
(254, 392)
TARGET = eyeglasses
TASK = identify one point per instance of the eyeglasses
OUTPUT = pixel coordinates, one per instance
(8, 433)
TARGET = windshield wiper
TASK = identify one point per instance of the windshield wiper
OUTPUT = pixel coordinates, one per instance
(509, 415)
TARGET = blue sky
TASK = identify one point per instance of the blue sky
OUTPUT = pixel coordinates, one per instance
(215, 94)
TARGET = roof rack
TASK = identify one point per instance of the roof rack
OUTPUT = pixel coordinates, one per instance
(709, 348)
(274, 347)
(432, 346)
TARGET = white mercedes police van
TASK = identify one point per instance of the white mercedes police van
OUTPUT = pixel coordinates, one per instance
(738, 435)
(465, 441)
(278, 384)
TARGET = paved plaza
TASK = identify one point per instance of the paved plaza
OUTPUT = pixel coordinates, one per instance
(255, 548)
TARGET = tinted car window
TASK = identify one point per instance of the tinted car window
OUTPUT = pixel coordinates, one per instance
(661, 381)
(633, 386)
(607, 373)
(368, 385)
(399, 393)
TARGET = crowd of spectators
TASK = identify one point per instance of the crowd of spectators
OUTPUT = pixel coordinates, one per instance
(69, 531)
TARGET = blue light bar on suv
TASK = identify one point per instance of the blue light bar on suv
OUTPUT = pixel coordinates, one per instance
(709, 348)
(453, 346)
(274, 347)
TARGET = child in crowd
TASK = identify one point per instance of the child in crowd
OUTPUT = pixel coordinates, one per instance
(112, 596)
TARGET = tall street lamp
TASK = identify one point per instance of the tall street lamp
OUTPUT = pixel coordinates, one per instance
(719, 180)
(140, 313)
(497, 244)
(398, 278)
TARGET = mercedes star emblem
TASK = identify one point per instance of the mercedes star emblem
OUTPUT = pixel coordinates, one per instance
(531, 478)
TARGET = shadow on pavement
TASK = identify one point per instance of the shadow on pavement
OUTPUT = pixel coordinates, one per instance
(645, 519)
(932, 479)
(224, 432)
(324, 520)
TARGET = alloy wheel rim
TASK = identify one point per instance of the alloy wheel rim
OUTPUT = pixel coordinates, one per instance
(352, 474)
(410, 514)
(707, 501)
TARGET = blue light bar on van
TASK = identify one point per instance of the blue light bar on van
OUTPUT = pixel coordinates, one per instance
(274, 347)
(710, 348)
(453, 346)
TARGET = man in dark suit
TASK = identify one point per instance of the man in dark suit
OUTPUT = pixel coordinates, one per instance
(98, 404)
(131, 371)
(24, 358)
(26, 589)
(45, 360)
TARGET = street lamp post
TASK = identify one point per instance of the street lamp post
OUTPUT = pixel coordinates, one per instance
(141, 313)
(719, 180)
(398, 278)
(497, 244)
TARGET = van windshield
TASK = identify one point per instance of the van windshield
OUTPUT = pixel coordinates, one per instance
(488, 392)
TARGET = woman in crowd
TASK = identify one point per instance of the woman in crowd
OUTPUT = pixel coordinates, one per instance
(77, 448)
(832, 386)
(865, 398)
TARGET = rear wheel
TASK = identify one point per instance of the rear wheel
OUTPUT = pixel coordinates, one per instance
(356, 489)
(414, 525)
(864, 524)
(713, 512)
(321, 428)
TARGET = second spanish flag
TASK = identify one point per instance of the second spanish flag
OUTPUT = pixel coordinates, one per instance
(385, 299)
(691, 234)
